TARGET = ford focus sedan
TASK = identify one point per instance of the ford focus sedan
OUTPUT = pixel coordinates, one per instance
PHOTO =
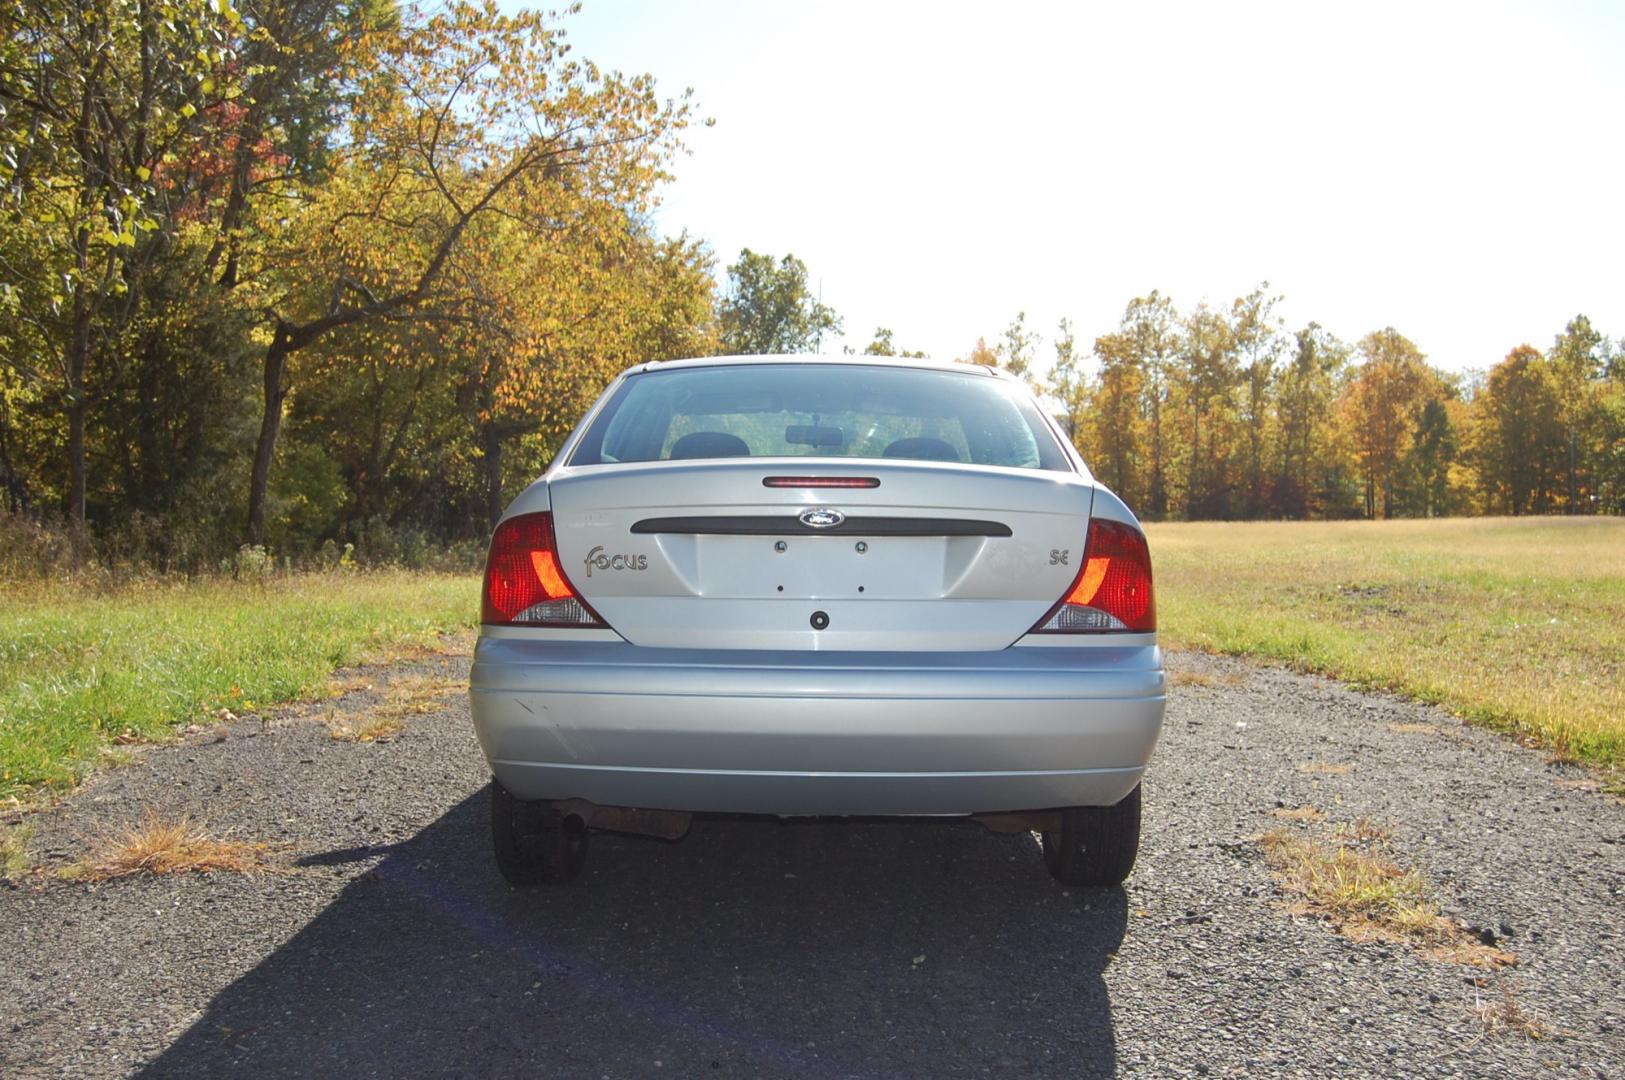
(816, 586)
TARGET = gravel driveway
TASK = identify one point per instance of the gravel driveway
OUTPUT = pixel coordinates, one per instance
(389, 946)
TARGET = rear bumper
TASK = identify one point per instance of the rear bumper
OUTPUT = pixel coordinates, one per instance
(817, 733)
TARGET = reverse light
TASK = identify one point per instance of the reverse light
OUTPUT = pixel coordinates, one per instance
(1113, 588)
(524, 584)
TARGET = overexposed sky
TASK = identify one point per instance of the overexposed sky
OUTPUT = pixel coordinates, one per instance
(1456, 171)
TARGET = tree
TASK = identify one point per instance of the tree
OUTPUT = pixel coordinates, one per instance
(769, 309)
(1257, 335)
(100, 98)
(982, 354)
(1577, 364)
(1433, 450)
(882, 344)
(1068, 383)
(302, 60)
(1379, 409)
(574, 315)
(1015, 351)
(1154, 326)
(1113, 420)
(1305, 397)
(461, 108)
(1519, 432)
(1209, 372)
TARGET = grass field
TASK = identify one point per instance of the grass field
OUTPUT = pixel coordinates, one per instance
(82, 670)
(1517, 623)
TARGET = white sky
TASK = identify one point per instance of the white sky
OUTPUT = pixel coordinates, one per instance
(1455, 171)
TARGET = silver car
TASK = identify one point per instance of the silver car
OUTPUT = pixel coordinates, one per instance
(817, 586)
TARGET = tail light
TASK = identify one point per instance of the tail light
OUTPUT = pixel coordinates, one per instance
(524, 584)
(1113, 588)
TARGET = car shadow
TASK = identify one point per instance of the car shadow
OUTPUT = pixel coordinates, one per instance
(821, 949)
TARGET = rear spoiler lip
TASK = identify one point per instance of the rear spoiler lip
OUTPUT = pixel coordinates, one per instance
(775, 525)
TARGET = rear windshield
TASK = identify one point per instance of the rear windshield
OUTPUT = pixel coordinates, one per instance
(820, 410)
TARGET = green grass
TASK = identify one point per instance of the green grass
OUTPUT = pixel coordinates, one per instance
(80, 669)
(1518, 624)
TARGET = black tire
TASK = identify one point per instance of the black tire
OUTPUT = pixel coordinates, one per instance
(535, 844)
(1095, 845)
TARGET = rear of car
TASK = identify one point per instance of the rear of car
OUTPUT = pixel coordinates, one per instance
(807, 586)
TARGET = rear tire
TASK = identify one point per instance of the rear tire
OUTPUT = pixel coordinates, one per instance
(1095, 845)
(534, 844)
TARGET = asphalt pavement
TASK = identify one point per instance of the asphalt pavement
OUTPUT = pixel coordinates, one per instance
(386, 944)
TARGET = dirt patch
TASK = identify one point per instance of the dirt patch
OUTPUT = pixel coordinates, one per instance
(1325, 768)
(1205, 678)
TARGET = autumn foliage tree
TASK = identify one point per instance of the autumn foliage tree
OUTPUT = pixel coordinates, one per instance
(1380, 409)
(102, 99)
(1218, 412)
(462, 108)
(377, 259)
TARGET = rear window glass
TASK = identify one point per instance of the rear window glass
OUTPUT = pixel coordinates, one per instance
(820, 410)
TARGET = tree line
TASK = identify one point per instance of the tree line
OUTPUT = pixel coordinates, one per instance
(1222, 413)
(302, 270)
(308, 273)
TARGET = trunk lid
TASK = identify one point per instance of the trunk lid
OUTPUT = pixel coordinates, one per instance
(936, 557)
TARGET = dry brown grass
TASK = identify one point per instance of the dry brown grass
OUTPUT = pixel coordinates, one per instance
(1297, 813)
(457, 643)
(1353, 882)
(418, 695)
(347, 682)
(159, 845)
(1361, 831)
(1514, 623)
(14, 858)
(1203, 678)
(1507, 1016)
(344, 727)
(1413, 729)
(1325, 768)
(402, 697)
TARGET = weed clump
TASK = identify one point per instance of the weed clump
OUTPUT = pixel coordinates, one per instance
(1351, 880)
(160, 845)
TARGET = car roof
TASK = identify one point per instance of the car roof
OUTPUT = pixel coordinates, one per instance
(817, 358)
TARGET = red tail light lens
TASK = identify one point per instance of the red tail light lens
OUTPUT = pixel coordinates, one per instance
(1113, 588)
(524, 584)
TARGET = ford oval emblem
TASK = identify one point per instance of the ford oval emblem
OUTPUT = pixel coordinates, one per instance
(822, 517)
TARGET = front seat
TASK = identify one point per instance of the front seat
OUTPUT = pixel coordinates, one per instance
(921, 448)
(704, 444)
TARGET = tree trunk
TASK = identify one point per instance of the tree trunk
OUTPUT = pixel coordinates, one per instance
(76, 464)
(78, 363)
(1192, 496)
(1574, 497)
(491, 445)
(11, 482)
(276, 365)
(1159, 495)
